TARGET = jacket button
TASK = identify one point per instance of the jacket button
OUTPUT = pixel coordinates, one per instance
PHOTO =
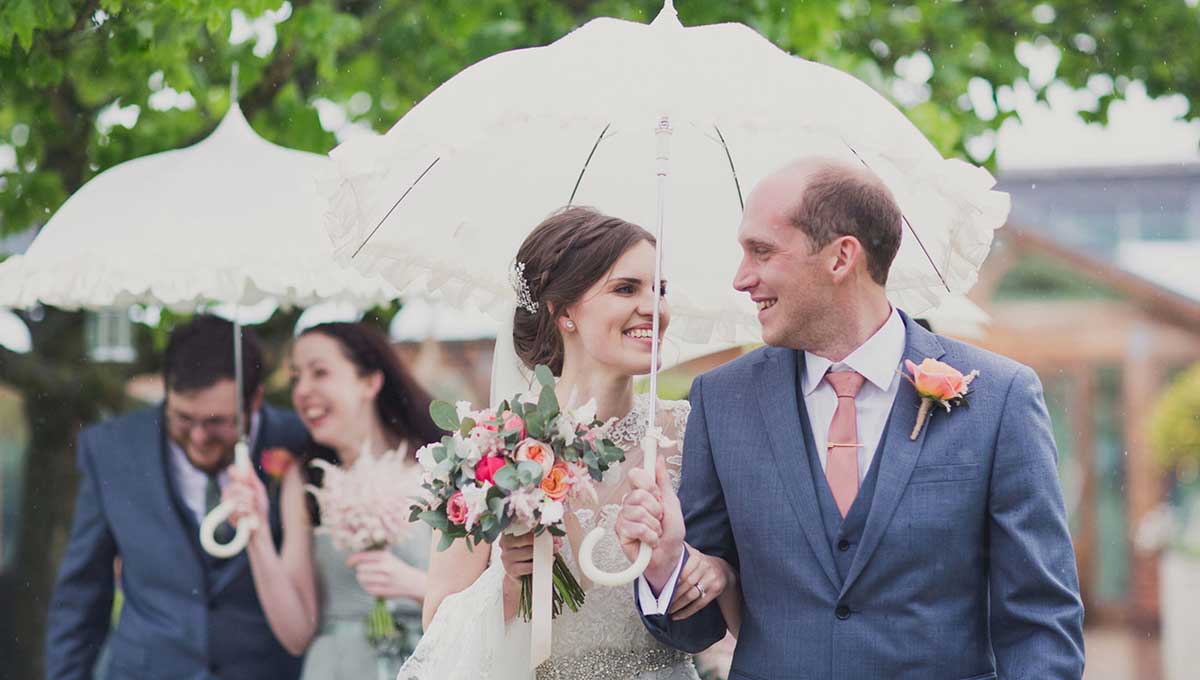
(843, 545)
(842, 612)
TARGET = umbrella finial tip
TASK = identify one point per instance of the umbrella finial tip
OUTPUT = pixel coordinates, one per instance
(667, 15)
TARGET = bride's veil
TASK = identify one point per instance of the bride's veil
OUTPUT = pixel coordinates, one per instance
(509, 375)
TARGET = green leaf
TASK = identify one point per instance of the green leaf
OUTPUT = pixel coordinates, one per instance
(529, 471)
(446, 542)
(548, 402)
(444, 415)
(435, 519)
(506, 478)
(544, 376)
(466, 426)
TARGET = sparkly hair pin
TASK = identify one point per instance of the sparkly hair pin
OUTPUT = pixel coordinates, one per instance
(521, 286)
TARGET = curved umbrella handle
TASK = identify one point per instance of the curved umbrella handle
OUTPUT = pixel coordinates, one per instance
(588, 546)
(214, 519)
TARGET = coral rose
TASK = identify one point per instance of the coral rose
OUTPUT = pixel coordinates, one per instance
(557, 482)
(937, 380)
(538, 452)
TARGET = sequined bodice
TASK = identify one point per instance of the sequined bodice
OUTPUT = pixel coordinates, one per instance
(608, 623)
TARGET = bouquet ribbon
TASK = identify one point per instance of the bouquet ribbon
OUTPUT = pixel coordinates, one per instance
(543, 565)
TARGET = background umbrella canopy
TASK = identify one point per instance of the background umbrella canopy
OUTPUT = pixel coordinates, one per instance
(232, 218)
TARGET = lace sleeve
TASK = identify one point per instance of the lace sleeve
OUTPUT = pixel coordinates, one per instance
(675, 416)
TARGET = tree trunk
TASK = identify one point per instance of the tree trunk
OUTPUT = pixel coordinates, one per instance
(62, 391)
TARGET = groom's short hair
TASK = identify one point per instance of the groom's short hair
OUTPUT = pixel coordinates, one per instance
(200, 353)
(842, 201)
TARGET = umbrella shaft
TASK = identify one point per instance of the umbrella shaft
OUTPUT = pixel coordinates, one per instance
(239, 378)
(662, 136)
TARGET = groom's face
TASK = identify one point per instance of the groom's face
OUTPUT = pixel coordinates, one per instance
(784, 277)
(203, 422)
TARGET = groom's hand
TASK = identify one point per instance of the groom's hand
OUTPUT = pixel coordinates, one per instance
(651, 514)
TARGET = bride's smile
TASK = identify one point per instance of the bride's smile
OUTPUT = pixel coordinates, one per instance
(611, 327)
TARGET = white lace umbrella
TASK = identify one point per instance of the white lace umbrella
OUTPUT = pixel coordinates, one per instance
(233, 219)
(600, 118)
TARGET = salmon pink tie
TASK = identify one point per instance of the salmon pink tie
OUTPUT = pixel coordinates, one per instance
(841, 463)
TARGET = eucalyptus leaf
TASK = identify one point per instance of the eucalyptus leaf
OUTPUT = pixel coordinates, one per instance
(544, 376)
(444, 415)
(506, 478)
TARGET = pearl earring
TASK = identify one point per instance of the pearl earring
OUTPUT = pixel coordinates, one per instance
(570, 325)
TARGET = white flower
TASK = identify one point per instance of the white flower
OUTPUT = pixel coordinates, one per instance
(585, 414)
(475, 498)
(463, 408)
(425, 457)
(552, 512)
(566, 428)
(523, 502)
(468, 450)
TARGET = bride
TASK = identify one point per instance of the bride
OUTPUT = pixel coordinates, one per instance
(586, 299)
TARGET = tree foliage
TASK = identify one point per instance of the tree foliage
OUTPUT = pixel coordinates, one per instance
(64, 63)
(1175, 423)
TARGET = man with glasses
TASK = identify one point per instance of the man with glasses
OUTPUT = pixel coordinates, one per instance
(147, 479)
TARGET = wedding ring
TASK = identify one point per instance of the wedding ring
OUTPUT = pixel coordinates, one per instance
(700, 589)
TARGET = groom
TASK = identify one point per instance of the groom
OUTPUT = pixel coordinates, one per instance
(862, 552)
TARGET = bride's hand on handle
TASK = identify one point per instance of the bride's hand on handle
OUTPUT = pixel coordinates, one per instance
(248, 495)
(651, 513)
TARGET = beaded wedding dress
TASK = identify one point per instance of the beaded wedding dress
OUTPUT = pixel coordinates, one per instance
(468, 638)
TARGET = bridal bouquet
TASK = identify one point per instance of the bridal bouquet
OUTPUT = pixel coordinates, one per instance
(510, 469)
(365, 507)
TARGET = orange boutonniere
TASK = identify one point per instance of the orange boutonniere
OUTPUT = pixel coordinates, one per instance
(275, 462)
(937, 383)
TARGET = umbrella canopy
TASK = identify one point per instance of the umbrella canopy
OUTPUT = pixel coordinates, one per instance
(453, 188)
(233, 218)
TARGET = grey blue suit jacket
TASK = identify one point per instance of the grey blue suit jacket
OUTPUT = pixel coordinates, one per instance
(965, 568)
(186, 615)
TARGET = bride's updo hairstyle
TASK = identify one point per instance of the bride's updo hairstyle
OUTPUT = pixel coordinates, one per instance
(560, 260)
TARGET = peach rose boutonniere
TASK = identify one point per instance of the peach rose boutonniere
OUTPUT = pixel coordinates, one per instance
(275, 462)
(937, 383)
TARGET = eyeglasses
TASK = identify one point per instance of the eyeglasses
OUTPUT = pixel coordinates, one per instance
(212, 425)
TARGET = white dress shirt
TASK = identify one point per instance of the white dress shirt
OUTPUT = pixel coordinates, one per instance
(877, 360)
(192, 482)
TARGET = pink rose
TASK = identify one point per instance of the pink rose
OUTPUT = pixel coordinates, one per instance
(937, 380)
(456, 509)
(485, 469)
(513, 423)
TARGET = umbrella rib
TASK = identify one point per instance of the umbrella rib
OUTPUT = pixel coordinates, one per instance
(582, 170)
(736, 184)
(909, 225)
(393, 208)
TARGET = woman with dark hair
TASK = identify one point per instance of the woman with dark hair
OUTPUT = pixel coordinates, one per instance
(356, 398)
(585, 291)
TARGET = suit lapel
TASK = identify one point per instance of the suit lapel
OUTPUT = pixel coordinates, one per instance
(899, 454)
(776, 377)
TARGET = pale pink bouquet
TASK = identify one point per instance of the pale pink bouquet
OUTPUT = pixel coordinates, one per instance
(365, 507)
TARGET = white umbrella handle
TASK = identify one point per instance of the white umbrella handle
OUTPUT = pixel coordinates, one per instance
(213, 520)
(620, 578)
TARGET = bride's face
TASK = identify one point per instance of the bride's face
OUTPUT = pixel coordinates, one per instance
(613, 319)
